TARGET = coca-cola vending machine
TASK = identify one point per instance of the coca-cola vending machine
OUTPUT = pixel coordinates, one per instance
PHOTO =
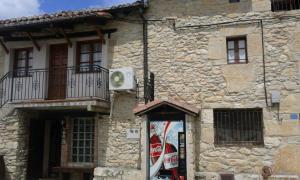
(167, 151)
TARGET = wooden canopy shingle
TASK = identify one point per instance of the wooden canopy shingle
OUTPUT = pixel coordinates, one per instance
(186, 108)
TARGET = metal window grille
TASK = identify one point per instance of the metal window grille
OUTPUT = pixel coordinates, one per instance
(227, 177)
(234, 1)
(83, 140)
(285, 5)
(238, 126)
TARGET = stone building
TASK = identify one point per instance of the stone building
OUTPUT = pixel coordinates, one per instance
(226, 86)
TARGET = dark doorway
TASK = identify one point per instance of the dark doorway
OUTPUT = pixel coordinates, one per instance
(58, 71)
(55, 146)
(44, 148)
(35, 151)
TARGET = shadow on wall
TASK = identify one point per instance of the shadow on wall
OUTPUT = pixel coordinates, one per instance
(2, 167)
(3, 170)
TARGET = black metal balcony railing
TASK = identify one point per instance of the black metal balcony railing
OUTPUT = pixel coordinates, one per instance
(285, 5)
(55, 83)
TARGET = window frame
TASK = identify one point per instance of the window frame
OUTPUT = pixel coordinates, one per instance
(16, 60)
(91, 61)
(236, 128)
(236, 49)
(94, 141)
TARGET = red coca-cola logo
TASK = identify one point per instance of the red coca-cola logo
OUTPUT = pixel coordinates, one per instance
(155, 149)
(172, 159)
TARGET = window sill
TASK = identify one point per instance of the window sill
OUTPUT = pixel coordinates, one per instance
(73, 169)
(237, 63)
(241, 144)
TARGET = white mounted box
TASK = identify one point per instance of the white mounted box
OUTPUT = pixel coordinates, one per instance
(133, 133)
(275, 97)
(122, 79)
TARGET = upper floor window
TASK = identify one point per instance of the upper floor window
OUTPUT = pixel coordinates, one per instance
(234, 1)
(89, 55)
(285, 5)
(23, 62)
(237, 50)
(238, 126)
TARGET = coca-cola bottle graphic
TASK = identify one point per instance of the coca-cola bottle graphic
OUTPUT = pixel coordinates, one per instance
(169, 165)
(171, 161)
(155, 144)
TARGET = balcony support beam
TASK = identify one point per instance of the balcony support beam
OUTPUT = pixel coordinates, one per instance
(4, 46)
(101, 35)
(33, 41)
(66, 37)
(98, 109)
(53, 36)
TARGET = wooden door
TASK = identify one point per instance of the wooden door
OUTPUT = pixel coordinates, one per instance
(58, 71)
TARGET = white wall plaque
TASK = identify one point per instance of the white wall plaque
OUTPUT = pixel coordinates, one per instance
(133, 133)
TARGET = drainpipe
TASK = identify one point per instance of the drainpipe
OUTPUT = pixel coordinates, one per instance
(145, 49)
(264, 62)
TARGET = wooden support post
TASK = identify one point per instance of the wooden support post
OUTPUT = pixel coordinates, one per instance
(33, 41)
(4, 46)
(101, 35)
(66, 38)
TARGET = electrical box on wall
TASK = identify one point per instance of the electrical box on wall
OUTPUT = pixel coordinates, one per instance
(295, 116)
(133, 133)
(275, 97)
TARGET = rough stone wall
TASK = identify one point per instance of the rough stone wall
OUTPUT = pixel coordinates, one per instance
(177, 8)
(115, 150)
(126, 46)
(190, 65)
(125, 50)
(13, 145)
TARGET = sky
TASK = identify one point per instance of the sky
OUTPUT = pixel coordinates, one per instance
(19, 8)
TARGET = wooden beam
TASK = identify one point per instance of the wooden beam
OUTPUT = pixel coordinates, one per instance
(101, 35)
(66, 37)
(98, 109)
(51, 36)
(4, 46)
(33, 41)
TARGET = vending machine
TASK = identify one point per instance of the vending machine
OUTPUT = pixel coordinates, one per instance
(167, 150)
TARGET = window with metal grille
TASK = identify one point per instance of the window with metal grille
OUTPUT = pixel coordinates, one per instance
(227, 176)
(83, 140)
(285, 5)
(23, 62)
(238, 126)
(237, 50)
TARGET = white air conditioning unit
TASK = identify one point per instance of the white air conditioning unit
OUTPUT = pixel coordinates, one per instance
(122, 79)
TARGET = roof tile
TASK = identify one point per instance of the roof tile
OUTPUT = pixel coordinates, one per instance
(63, 15)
